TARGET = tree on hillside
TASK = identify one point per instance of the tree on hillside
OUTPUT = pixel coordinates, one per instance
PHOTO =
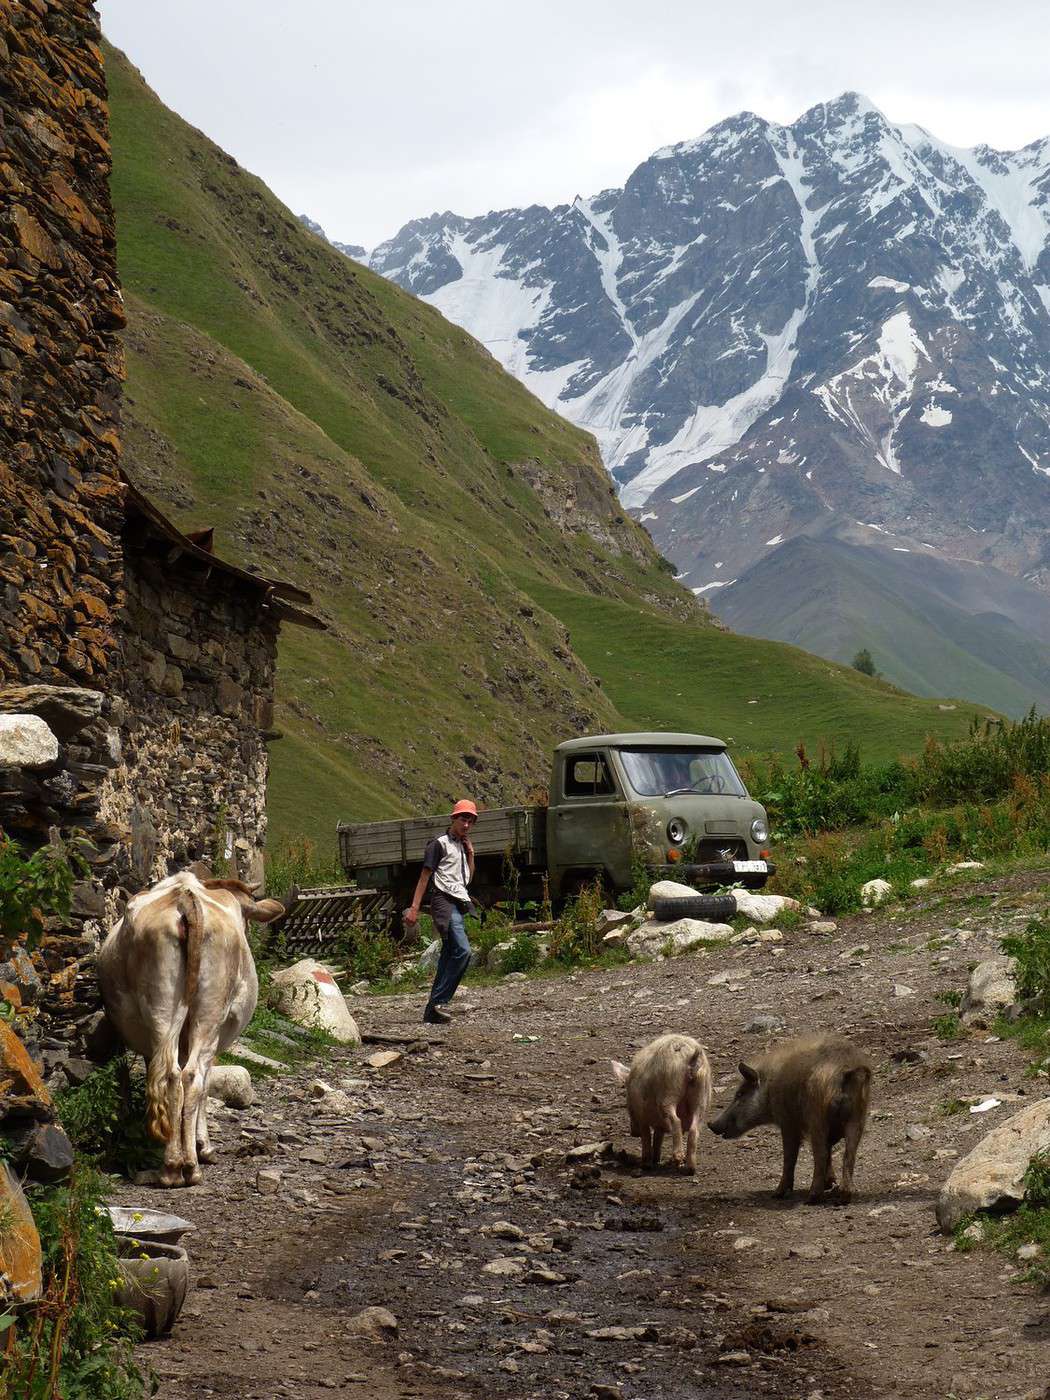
(862, 662)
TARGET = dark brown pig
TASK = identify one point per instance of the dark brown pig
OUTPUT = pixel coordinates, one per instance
(816, 1088)
(668, 1091)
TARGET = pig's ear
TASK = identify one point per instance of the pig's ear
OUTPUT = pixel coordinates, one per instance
(749, 1073)
(620, 1072)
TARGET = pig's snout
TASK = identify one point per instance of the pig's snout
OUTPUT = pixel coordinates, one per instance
(718, 1127)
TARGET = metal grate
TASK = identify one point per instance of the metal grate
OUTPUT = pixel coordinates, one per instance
(316, 917)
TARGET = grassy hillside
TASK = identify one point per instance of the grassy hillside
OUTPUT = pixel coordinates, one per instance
(341, 434)
(764, 696)
(924, 633)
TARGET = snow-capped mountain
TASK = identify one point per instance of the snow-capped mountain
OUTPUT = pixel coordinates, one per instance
(774, 328)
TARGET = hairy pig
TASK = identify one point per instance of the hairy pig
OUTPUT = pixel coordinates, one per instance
(668, 1091)
(815, 1088)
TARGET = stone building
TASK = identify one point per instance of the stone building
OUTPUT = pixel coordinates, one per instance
(150, 659)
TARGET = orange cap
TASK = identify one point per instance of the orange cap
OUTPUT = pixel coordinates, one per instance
(464, 805)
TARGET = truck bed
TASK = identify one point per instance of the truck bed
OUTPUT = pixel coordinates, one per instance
(520, 832)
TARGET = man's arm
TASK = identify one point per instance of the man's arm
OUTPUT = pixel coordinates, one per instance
(412, 912)
(469, 848)
(430, 862)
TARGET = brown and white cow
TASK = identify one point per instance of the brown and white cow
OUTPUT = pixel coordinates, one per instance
(179, 983)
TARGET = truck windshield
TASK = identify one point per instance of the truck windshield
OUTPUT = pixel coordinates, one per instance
(661, 772)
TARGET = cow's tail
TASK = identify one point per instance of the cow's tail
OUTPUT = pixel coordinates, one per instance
(191, 931)
(158, 1118)
(165, 1061)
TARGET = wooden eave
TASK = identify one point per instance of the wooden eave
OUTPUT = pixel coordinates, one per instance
(274, 593)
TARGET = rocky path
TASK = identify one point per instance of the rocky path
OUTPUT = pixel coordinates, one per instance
(445, 1188)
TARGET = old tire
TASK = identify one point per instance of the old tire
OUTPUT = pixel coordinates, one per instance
(715, 908)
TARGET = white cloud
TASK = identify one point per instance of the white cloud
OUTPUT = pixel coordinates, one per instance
(367, 115)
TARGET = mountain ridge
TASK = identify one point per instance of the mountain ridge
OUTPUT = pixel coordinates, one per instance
(766, 325)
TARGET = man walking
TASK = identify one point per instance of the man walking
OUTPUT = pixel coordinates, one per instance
(448, 868)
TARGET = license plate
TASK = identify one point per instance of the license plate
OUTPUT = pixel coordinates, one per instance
(750, 867)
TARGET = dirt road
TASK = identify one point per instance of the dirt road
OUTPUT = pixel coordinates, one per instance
(445, 1196)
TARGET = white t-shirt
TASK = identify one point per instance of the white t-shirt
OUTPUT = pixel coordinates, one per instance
(447, 858)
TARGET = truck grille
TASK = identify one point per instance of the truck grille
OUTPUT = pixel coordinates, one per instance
(719, 848)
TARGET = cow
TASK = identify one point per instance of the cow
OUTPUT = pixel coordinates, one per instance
(178, 981)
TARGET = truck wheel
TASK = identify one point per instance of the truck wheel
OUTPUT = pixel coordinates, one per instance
(715, 908)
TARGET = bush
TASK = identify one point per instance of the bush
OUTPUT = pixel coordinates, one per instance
(1031, 952)
(105, 1119)
(31, 887)
(75, 1342)
(297, 862)
(522, 955)
(574, 937)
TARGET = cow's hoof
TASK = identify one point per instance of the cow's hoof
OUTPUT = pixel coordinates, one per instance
(192, 1176)
(206, 1155)
(170, 1176)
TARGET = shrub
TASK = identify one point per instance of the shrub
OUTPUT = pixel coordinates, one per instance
(75, 1341)
(105, 1118)
(522, 955)
(297, 863)
(1031, 952)
(31, 887)
(574, 937)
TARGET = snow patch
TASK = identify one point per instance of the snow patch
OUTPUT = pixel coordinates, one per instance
(777, 539)
(649, 515)
(934, 416)
(890, 284)
(677, 500)
(1036, 467)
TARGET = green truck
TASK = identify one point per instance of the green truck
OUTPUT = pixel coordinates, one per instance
(673, 803)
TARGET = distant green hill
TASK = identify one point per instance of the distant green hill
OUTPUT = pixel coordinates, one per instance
(342, 434)
(932, 625)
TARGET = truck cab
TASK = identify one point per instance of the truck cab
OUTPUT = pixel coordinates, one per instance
(672, 803)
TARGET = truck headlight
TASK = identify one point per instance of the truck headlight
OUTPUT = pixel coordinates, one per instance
(759, 830)
(676, 829)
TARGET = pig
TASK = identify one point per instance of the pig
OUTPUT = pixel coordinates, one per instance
(668, 1091)
(816, 1087)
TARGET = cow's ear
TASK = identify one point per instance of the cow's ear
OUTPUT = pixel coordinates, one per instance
(262, 911)
(749, 1072)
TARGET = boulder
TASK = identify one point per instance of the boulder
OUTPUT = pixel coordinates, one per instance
(610, 919)
(307, 994)
(654, 937)
(991, 1176)
(21, 1264)
(42, 1152)
(763, 908)
(22, 1091)
(875, 892)
(232, 1084)
(990, 990)
(670, 889)
(66, 709)
(378, 1324)
(26, 741)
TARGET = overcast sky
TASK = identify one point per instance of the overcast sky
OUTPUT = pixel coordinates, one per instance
(365, 115)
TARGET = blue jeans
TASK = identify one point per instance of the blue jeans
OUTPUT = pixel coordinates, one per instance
(455, 948)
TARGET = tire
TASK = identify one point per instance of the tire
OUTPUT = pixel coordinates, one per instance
(716, 908)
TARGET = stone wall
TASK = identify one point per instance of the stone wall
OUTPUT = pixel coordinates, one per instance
(197, 666)
(60, 359)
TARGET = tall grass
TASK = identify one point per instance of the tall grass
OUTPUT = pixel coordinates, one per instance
(979, 798)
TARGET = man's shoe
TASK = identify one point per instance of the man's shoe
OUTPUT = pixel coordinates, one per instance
(433, 1017)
